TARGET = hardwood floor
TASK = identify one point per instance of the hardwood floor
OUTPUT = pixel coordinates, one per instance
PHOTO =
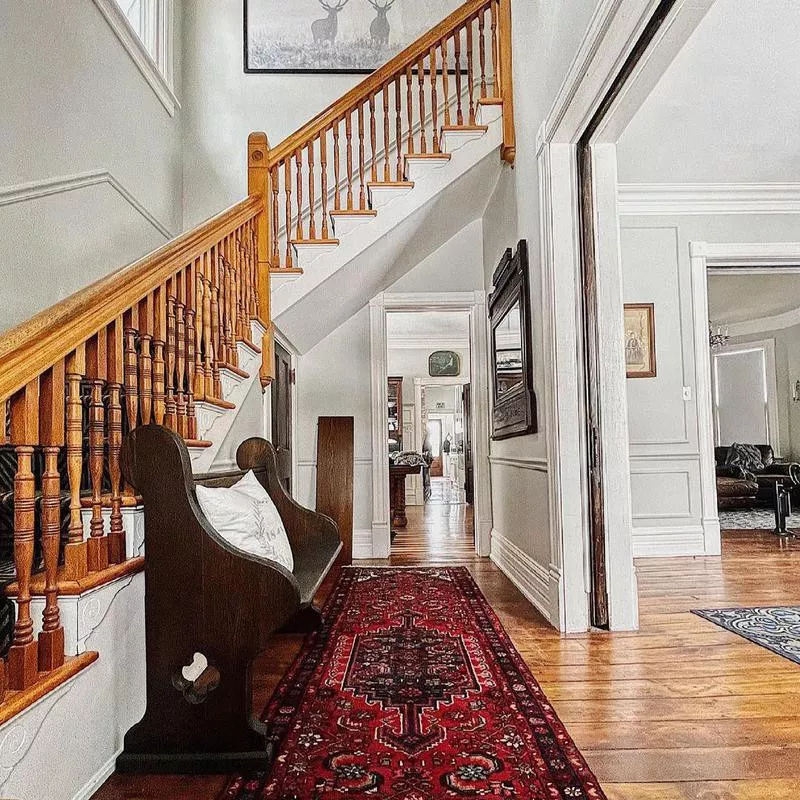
(680, 710)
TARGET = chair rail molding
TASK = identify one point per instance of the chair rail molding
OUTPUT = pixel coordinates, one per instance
(152, 72)
(649, 199)
(475, 304)
(33, 190)
(539, 464)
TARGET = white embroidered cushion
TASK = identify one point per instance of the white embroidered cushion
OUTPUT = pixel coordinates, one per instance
(245, 516)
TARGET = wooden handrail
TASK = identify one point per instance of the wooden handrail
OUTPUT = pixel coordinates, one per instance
(375, 81)
(27, 350)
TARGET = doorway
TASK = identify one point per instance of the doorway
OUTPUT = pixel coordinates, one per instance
(429, 343)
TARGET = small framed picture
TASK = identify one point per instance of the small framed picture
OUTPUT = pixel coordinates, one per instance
(640, 340)
(444, 364)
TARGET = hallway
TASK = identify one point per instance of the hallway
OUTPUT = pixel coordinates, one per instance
(681, 710)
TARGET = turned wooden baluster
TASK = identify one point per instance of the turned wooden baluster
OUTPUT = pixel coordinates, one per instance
(191, 347)
(131, 379)
(457, 52)
(208, 341)
(216, 350)
(51, 435)
(226, 271)
(398, 123)
(470, 75)
(445, 83)
(482, 50)
(373, 173)
(96, 370)
(159, 341)
(116, 376)
(253, 252)
(312, 214)
(387, 173)
(495, 61)
(276, 255)
(298, 160)
(198, 305)
(180, 353)
(75, 556)
(410, 111)
(423, 143)
(236, 255)
(336, 178)
(348, 130)
(434, 100)
(323, 165)
(361, 195)
(146, 359)
(23, 655)
(287, 188)
(170, 408)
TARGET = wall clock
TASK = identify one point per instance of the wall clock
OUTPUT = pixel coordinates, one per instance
(444, 364)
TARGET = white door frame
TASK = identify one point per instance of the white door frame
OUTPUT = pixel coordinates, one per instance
(475, 304)
(612, 35)
(712, 258)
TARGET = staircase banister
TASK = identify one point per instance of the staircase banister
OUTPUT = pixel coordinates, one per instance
(29, 349)
(376, 80)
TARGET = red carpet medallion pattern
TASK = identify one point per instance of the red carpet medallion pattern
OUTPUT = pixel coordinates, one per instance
(413, 691)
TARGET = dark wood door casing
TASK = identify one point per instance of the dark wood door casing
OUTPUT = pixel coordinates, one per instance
(599, 614)
(282, 414)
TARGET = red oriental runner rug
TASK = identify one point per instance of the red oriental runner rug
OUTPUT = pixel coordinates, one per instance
(412, 690)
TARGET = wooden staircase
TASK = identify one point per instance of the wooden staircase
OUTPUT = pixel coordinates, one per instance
(173, 338)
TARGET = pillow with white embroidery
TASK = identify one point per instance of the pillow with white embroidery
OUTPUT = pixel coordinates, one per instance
(245, 516)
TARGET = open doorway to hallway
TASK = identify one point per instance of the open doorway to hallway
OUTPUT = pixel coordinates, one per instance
(428, 435)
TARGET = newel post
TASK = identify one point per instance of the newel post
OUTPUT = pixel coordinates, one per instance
(258, 183)
(509, 148)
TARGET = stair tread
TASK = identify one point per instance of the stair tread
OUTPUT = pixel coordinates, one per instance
(354, 212)
(395, 184)
(285, 270)
(444, 156)
(490, 101)
(254, 347)
(236, 370)
(315, 241)
(198, 443)
(482, 128)
(216, 401)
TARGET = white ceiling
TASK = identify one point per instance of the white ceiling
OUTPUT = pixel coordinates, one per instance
(741, 298)
(727, 109)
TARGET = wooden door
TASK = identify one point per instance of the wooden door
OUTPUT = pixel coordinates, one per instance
(282, 414)
(469, 470)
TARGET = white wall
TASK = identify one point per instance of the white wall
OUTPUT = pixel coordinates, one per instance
(412, 363)
(75, 103)
(223, 105)
(664, 428)
(546, 37)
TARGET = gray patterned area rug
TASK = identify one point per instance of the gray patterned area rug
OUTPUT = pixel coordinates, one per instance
(776, 627)
(752, 519)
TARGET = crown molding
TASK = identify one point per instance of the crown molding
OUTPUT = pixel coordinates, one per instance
(34, 190)
(648, 199)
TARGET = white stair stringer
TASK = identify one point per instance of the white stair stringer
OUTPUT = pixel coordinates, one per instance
(213, 422)
(447, 195)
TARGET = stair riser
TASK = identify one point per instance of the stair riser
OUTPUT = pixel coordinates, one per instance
(381, 196)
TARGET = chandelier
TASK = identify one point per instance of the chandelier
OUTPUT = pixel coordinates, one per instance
(717, 338)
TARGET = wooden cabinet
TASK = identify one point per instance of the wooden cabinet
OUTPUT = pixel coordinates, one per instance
(395, 415)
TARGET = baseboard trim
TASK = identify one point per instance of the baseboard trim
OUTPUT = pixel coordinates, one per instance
(98, 779)
(34, 190)
(664, 542)
(527, 574)
(362, 544)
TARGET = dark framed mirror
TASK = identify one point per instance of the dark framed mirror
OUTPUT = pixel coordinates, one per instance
(514, 401)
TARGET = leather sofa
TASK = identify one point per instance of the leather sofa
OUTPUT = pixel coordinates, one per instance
(773, 472)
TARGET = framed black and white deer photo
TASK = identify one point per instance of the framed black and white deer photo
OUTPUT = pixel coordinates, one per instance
(333, 35)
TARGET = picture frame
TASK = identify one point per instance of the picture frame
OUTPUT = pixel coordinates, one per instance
(333, 36)
(444, 364)
(514, 410)
(640, 340)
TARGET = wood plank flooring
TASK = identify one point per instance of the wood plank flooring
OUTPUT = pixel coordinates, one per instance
(680, 710)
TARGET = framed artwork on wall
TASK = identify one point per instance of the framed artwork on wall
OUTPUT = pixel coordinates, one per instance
(640, 340)
(444, 364)
(346, 36)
